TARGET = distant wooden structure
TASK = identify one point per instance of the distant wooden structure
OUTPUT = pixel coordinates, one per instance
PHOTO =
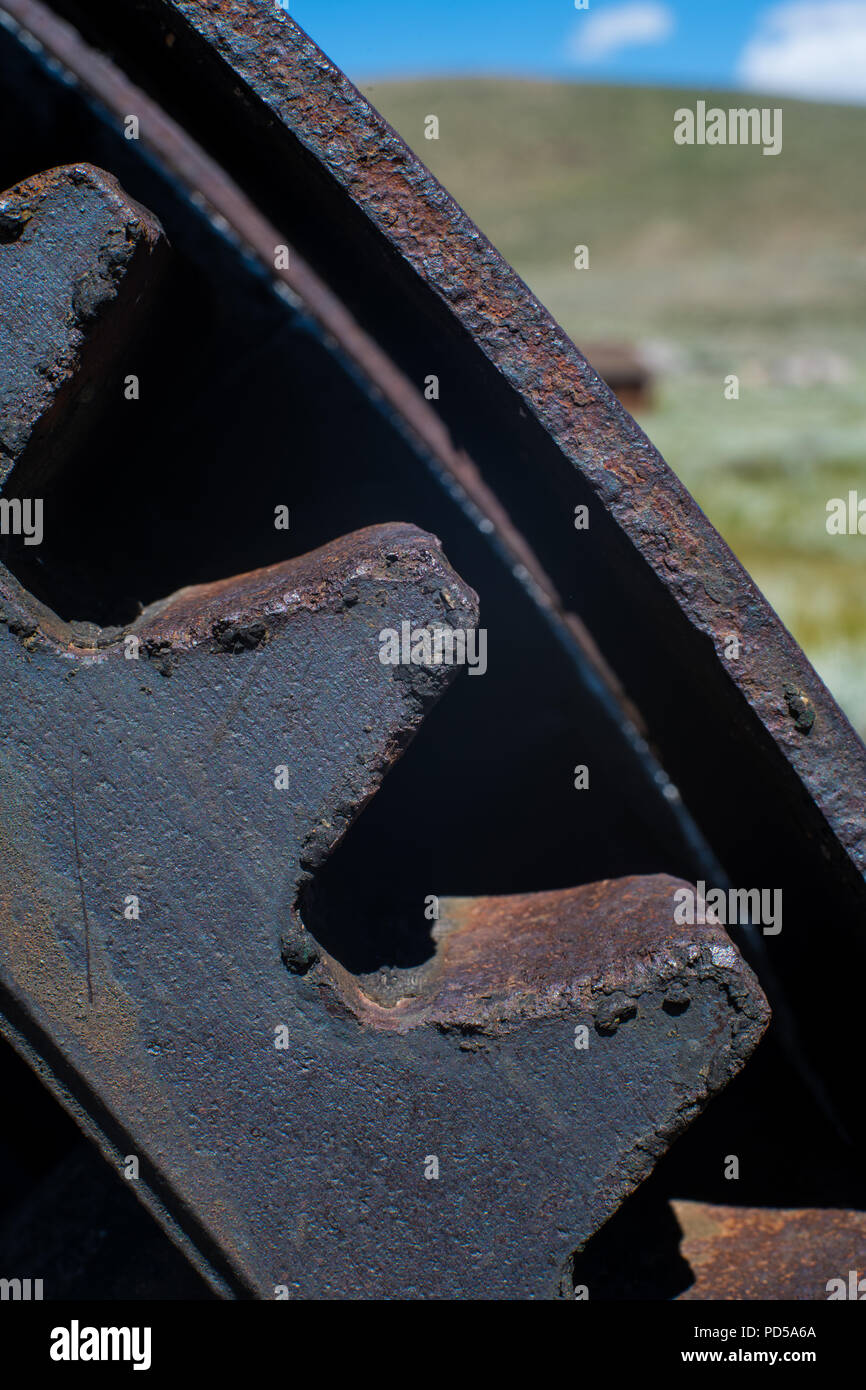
(621, 366)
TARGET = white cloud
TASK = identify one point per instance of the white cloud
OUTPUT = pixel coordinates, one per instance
(598, 33)
(809, 50)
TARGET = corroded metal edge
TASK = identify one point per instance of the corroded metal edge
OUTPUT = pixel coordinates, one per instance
(199, 614)
(502, 962)
(101, 256)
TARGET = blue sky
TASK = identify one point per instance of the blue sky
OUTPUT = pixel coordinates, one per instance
(809, 48)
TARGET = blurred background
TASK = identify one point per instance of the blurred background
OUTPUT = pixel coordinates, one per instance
(556, 130)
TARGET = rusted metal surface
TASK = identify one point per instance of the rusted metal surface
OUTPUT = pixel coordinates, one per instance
(527, 431)
(155, 777)
(589, 952)
(757, 1253)
(77, 260)
(155, 773)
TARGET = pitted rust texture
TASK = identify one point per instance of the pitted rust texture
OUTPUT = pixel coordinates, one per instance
(595, 951)
(126, 796)
(326, 578)
(282, 69)
(118, 780)
(756, 1253)
(77, 258)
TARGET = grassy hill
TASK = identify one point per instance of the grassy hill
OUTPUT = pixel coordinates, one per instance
(717, 260)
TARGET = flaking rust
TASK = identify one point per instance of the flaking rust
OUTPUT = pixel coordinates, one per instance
(548, 1053)
(756, 1253)
(78, 260)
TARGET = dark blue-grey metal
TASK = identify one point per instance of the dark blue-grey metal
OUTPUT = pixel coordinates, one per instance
(168, 792)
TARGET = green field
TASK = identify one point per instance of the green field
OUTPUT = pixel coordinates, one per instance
(714, 260)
